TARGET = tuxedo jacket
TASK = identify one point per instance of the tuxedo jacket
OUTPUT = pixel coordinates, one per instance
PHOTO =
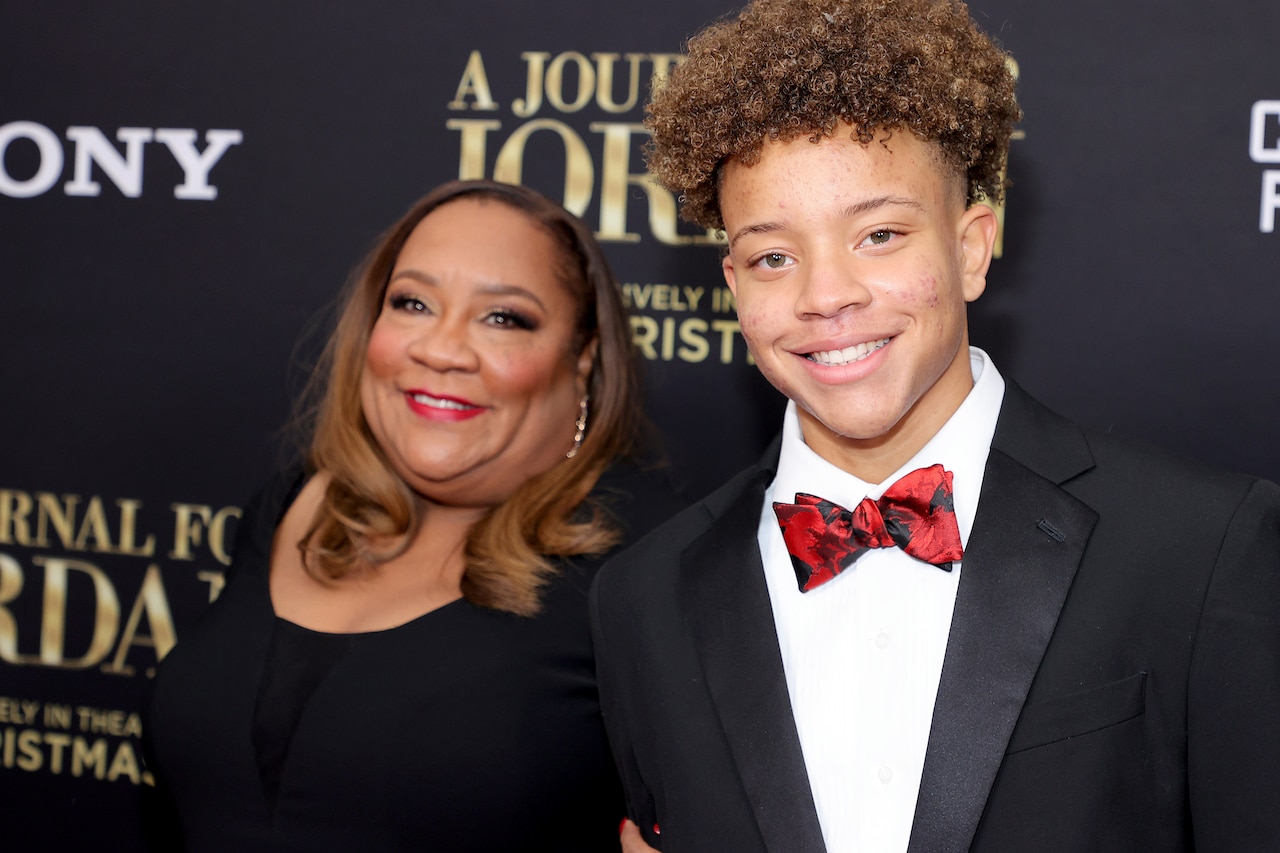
(1111, 679)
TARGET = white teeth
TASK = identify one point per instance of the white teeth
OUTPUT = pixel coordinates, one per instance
(437, 403)
(848, 355)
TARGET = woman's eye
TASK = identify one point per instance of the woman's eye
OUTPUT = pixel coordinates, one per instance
(773, 260)
(512, 320)
(402, 302)
(879, 238)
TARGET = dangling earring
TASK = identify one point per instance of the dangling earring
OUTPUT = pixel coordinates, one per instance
(581, 424)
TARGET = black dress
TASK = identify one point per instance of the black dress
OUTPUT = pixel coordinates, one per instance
(465, 729)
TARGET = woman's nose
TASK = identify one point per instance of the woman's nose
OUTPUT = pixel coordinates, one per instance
(444, 345)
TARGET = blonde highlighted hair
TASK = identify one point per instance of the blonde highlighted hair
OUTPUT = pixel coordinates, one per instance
(366, 501)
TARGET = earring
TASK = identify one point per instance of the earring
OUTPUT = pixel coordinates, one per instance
(581, 424)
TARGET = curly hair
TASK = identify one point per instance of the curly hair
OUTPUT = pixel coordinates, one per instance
(790, 68)
(550, 515)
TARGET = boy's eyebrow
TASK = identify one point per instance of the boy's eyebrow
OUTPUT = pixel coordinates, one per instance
(876, 203)
(758, 228)
(848, 213)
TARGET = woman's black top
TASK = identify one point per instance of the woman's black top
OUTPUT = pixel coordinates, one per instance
(465, 729)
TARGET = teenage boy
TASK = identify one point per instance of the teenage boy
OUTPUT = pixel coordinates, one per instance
(936, 616)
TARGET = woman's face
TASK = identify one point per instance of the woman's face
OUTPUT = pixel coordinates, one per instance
(472, 382)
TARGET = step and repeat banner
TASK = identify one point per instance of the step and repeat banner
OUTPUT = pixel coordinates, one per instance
(185, 187)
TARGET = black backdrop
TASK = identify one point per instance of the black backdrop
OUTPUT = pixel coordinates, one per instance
(184, 187)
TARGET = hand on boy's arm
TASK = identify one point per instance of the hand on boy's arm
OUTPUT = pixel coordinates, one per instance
(632, 842)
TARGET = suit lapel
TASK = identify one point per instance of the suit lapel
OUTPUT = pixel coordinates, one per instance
(1028, 538)
(727, 607)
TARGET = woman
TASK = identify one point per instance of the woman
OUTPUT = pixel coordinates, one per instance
(401, 659)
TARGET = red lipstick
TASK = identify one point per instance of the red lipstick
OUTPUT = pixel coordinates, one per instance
(438, 407)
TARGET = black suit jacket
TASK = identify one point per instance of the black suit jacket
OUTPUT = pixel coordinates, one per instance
(1111, 679)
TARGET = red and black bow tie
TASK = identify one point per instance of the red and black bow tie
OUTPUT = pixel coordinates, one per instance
(917, 514)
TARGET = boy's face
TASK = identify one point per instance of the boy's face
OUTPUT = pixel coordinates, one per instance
(851, 266)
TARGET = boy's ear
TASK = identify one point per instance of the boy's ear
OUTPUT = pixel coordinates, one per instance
(730, 277)
(978, 226)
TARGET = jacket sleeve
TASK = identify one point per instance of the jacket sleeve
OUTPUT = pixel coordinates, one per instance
(1233, 702)
(615, 686)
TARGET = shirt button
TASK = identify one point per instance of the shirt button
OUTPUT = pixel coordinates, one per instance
(886, 774)
(882, 640)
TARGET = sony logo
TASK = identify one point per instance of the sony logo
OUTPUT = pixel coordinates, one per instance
(90, 147)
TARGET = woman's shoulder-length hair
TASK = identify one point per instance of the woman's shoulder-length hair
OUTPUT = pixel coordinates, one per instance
(368, 515)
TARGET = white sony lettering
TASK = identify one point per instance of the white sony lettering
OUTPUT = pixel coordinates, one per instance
(50, 168)
(124, 169)
(196, 166)
(92, 146)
